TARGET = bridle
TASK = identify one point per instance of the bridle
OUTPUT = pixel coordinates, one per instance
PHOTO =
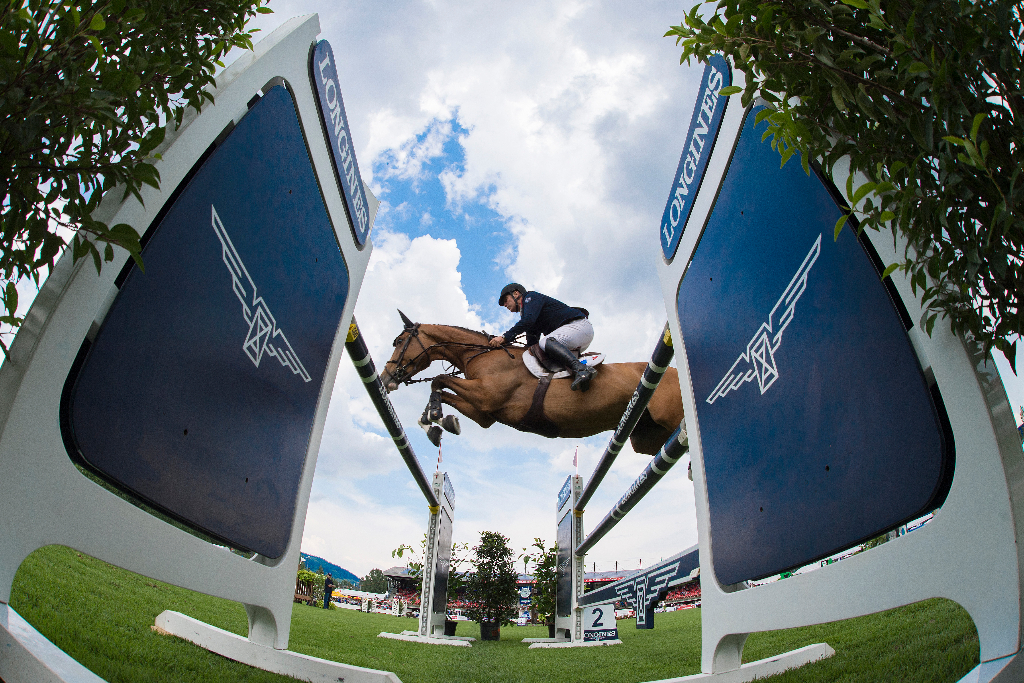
(402, 374)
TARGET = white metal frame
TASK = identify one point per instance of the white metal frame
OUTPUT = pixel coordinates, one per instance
(433, 624)
(969, 553)
(45, 500)
(431, 628)
(569, 630)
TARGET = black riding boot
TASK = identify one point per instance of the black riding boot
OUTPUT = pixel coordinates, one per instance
(581, 373)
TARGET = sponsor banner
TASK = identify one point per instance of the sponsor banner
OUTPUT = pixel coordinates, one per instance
(599, 622)
(819, 428)
(564, 494)
(199, 392)
(449, 491)
(700, 140)
(324, 74)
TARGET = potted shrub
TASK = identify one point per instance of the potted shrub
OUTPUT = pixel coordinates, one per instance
(491, 587)
(546, 583)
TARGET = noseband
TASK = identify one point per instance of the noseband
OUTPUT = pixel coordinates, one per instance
(401, 373)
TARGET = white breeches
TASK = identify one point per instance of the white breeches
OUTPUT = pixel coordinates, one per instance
(575, 336)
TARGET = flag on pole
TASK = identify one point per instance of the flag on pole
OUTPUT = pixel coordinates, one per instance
(575, 460)
(438, 457)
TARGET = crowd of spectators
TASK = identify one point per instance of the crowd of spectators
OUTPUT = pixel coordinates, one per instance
(688, 592)
(409, 595)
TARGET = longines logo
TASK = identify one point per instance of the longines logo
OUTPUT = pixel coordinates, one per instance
(264, 337)
(758, 361)
(636, 592)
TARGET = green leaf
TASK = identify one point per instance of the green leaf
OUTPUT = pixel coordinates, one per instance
(11, 297)
(839, 226)
(859, 4)
(978, 118)
(918, 67)
(837, 99)
(889, 270)
(861, 192)
(730, 90)
(97, 23)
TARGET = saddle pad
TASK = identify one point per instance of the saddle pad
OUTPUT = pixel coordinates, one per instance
(533, 365)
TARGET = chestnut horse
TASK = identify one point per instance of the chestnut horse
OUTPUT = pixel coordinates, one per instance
(497, 387)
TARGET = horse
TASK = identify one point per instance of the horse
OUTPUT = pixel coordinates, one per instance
(497, 387)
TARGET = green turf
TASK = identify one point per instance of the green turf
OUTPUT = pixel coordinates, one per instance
(102, 615)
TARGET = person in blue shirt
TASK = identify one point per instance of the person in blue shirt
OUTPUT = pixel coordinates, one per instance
(563, 332)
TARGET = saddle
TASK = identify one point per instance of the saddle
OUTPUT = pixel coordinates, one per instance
(539, 365)
(545, 369)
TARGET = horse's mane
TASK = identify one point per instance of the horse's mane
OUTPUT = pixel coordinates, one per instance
(478, 333)
(483, 336)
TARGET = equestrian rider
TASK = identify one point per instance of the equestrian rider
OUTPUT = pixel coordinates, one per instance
(562, 331)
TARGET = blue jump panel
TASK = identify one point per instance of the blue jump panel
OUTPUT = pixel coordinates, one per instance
(199, 392)
(817, 426)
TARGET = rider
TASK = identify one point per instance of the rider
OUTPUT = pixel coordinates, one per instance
(562, 331)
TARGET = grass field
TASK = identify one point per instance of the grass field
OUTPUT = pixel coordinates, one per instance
(101, 615)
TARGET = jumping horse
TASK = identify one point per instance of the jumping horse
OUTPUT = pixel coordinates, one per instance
(496, 386)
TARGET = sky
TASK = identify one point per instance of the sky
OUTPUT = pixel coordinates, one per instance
(536, 143)
(533, 142)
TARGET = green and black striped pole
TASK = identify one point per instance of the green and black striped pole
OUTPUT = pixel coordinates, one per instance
(649, 381)
(675, 448)
(360, 356)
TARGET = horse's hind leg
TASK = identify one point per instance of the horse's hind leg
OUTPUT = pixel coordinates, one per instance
(663, 414)
(648, 436)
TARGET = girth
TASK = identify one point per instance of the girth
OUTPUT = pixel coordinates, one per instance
(535, 421)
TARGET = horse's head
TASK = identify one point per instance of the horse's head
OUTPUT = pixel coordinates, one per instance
(410, 355)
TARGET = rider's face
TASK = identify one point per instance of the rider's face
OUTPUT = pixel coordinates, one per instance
(511, 302)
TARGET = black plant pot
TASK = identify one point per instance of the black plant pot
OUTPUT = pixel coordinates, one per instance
(551, 630)
(490, 630)
(449, 627)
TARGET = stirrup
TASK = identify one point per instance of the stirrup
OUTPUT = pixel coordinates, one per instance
(582, 380)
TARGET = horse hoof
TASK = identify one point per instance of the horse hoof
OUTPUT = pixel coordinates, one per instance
(434, 435)
(424, 420)
(451, 424)
(435, 415)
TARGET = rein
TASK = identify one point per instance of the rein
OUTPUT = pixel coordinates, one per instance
(401, 373)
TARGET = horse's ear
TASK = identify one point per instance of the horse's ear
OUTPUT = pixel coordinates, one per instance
(405, 320)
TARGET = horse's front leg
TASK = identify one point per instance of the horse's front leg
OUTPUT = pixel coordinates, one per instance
(433, 414)
(462, 402)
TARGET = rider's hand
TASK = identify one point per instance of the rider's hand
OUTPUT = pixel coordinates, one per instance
(495, 342)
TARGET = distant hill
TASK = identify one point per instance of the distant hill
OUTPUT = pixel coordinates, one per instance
(314, 563)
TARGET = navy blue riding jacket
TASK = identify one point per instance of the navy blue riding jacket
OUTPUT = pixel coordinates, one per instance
(541, 315)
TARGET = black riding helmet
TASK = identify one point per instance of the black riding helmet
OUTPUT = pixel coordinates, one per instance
(508, 289)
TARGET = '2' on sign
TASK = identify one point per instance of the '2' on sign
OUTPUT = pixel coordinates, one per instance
(324, 74)
(599, 622)
(700, 140)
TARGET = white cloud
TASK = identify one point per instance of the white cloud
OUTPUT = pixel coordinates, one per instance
(407, 161)
(573, 117)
